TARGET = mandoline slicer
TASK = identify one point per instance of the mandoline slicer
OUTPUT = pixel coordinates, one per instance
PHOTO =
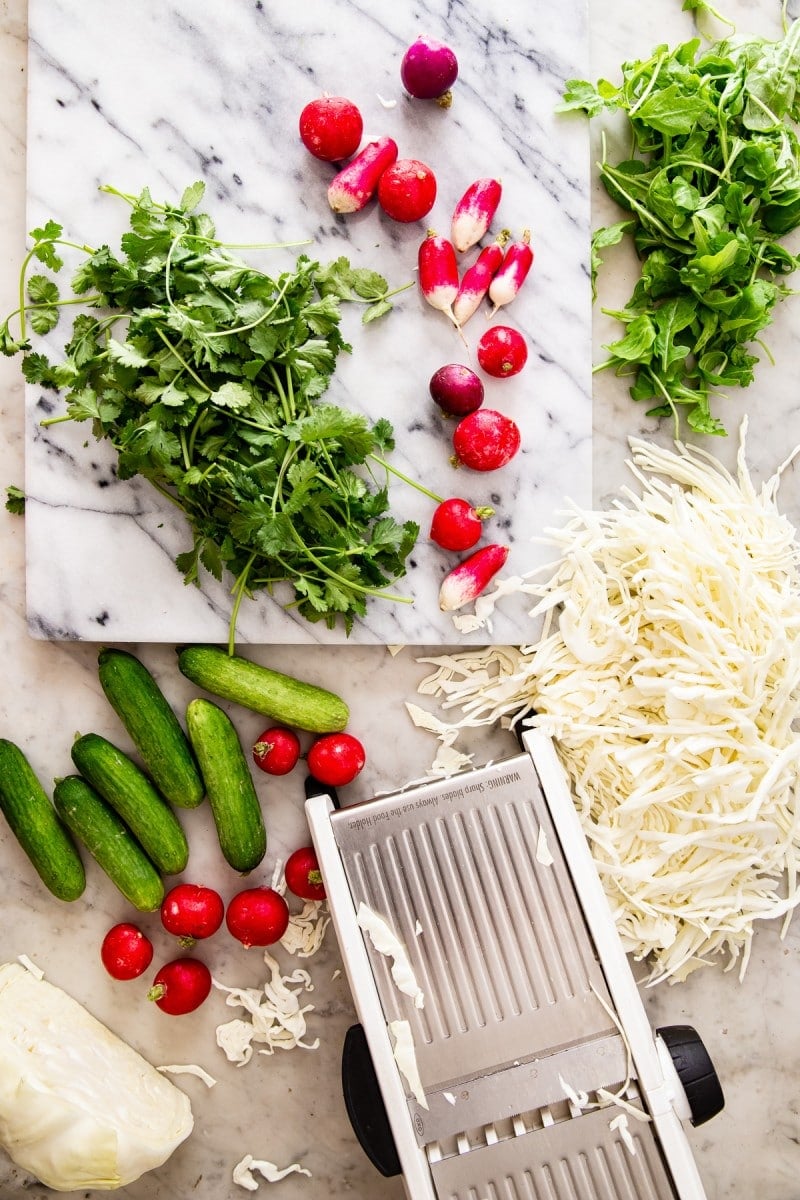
(540, 1076)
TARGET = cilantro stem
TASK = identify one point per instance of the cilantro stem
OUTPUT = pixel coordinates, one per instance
(263, 317)
(23, 274)
(365, 589)
(183, 361)
(238, 591)
(406, 478)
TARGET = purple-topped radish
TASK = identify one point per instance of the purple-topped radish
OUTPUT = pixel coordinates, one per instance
(513, 271)
(477, 279)
(456, 389)
(356, 183)
(428, 70)
(474, 212)
(438, 272)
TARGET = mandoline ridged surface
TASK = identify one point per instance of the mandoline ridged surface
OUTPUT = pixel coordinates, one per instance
(494, 933)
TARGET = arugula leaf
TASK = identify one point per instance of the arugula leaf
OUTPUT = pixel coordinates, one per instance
(713, 180)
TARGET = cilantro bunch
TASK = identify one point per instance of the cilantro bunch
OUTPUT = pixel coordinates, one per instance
(207, 376)
(711, 185)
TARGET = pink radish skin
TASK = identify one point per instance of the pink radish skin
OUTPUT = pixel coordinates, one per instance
(513, 272)
(438, 272)
(471, 577)
(474, 212)
(485, 440)
(356, 183)
(428, 70)
(475, 282)
(457, 525)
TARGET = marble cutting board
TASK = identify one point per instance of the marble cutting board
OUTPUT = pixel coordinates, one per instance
(161, 95)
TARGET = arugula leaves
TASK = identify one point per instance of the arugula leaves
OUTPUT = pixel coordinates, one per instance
(711, 185)
(206, 375)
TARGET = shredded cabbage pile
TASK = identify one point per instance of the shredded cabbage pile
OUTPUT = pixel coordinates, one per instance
(667, 670)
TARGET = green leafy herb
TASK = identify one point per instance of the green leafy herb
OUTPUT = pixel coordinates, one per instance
(206, 375)
(711, 185)
(15, 500)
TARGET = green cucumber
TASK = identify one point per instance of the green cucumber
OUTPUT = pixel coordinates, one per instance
(109, 841)
(153, 727)
(134, 798)
(284, 699)
(36, 825)
(229, 785)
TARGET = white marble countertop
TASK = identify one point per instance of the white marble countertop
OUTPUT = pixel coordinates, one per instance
(288, 1107)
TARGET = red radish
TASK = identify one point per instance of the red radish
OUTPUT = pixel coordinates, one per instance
(354, 186)
(192, 912)
(126, 952)
(407, 190)
(181, 986)
(331, 128)
(438, 272)
(511, 275)
(471, 577)
(473, 214)
(336, 758)
(303, 876)
(428, 70)
(486, 440)
(476, 280)
(257, 916)
(502, 351)
(277, 750)
(456, 389)
(456, 525)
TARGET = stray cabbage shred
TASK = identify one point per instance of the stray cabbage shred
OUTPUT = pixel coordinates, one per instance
(666, 667)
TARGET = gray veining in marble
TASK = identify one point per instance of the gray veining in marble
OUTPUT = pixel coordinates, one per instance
(160, 96)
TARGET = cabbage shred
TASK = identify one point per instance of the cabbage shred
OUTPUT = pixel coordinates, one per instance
(666, 667)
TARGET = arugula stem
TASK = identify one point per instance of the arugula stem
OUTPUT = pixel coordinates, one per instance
(406, 478)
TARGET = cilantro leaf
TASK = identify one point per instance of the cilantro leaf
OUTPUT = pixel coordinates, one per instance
(15, 500)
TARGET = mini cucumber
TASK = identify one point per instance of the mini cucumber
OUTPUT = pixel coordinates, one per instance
(36, 825)
(152, 725)
(134, 798)
(98, 827)
(284, 699)
(229, 784)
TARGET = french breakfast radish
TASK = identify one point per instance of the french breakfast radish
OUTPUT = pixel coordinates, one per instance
(438, 272)
(428, 70)
(486, 440)
(502, 351)
(457, 525)
(407, 190)
(513, 271)
(476, 280)
(354, 186)
(331, 128)
(456, 389)
(471, 577)
(473, 213)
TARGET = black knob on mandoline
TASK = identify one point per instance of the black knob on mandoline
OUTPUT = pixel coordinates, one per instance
(695, 1071)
